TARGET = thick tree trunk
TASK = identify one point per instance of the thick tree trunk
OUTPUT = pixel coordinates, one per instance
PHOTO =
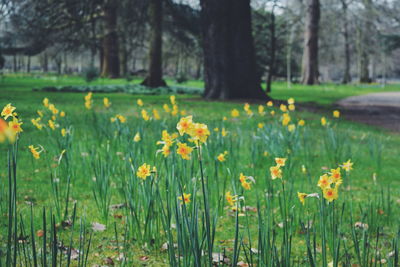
(310, 53)
(364, 42)
(346, 75)
(154, 78)
(271, 67)
(229, 56)
(110, 41)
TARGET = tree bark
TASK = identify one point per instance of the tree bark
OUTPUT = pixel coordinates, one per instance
(346, 75)
(154, 78)
(229, 56)
(310, 54)
(271, 67)
(110, 41)
(363, 43)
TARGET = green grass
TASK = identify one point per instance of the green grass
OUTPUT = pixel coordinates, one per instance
(94, 136)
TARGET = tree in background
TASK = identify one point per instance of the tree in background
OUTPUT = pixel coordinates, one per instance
(110, 61)
(229, 56)
(310, 55)
(154, 78)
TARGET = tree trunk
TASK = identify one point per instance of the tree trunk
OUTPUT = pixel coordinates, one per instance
(271, 67)
(310, 53)
(364, 42)
(110, 41)
(154, 78)
(28, 65)
(346, 75)
(229, 56)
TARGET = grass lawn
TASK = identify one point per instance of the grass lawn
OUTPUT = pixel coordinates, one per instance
(265, 225)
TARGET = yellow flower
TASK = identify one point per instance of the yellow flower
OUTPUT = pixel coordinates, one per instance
(40, 113)
(7, 111)
(323, 121)
(331, 194)
(185, 125)
(88, 97)
(260, 125)
(290, 101)
(285, 119)
(336, 176)
(224, 132)
(235, 113)
(272, 112)
(280, 162)
(221, 156)
(156, 115)
(88, 104)
(261, 110)
(184, 150)
(265, 153)
(324, 181)
(63, 132)
(291, 127)
(122, 119)
(53, 109)
(291, 107)
(183, 112)
(242, 178)
(270, 103)
(283, 108)
(216, 129)
(137, 137)
(246, 185)
(185, 198)
(36, 123)
(167, 138)
(145, 115)
(276, 172)
(336, 113)
(35, 152)
(15, 125)
(224, 118)
(166, 108)
(301, 123)
(175, 110)
(302, 197)
(106, 102)
(200, 132)
(172, 99)
(46, 102)
(52, 125)
(166, 150)
(62, 114)
(348, 165)
(140, 102)
(143, 171)
(230, 199)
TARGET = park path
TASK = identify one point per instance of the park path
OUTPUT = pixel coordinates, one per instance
(377, 109)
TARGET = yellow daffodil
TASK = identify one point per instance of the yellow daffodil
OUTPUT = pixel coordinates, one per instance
(276, 172)
(336, 113)
(106, 102)
(221, 156)
(35, 152)
(137, 138)
(15, 125)
(143, 171)
(230, 199)
(185, 198)
(323, 121)
(302, 197)
(331, 194)
(301, 123)
(324, 181)
(280, 162)
(348, 165)
(184, 150)
(7, 111)
(235, 113)
(140, 102)
(185, 125)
